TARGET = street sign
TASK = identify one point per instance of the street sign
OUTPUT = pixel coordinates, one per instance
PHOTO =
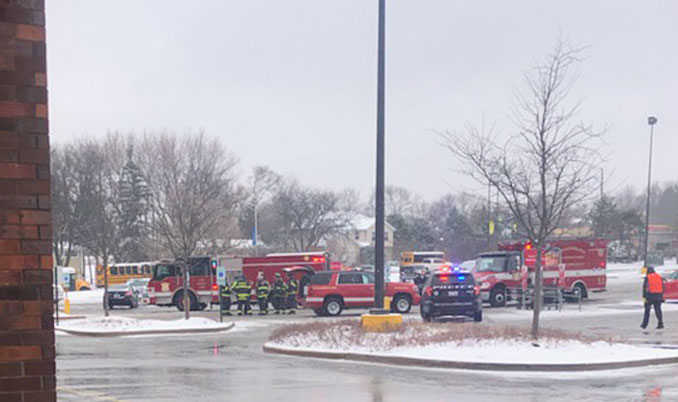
(221, 275)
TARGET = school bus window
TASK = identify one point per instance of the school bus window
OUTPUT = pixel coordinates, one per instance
(114, 270)
(135, 270)
(128, 270)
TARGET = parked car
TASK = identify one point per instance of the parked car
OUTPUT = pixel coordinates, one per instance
(330, 292)
(451, 293)
(122, 295)
(671, 286)
(140, 287)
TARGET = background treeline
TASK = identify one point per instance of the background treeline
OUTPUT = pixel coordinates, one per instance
(162, 195)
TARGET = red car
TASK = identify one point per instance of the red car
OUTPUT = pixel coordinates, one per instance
(671, 286)
(330, 292)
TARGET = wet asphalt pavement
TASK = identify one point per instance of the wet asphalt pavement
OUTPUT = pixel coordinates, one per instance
(231, 366)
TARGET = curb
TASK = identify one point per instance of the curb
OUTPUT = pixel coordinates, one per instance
(449, 364)
(71, 317)
(145, 332)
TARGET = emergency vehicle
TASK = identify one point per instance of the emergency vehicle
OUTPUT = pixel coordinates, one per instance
(331, 292)
(576, 265)
(166, 284)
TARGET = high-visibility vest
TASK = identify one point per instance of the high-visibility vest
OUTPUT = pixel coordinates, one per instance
(655, 283)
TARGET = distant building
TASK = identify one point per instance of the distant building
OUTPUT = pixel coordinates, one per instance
(663, 239)
(359, 236)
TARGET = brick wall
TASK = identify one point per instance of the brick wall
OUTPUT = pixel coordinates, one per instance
(27, 370)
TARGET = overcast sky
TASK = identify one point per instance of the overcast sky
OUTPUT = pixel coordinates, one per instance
(292, 83)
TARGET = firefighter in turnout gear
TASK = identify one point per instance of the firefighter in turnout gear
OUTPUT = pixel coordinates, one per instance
(225, 299)
(279, 294)
(242, 290)
(653, 296)
(292, 288)
(263, 290)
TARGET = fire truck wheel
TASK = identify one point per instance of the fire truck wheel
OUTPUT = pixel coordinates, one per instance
(333, 306)
(579, 289)
(401, 304)
(179, 301)
(498, 297)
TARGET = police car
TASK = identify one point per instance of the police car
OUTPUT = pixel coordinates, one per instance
(451, 291)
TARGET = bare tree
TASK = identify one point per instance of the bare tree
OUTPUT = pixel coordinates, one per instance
(307, 216)
(63, 185)
(261, 184)
(547, 166)
(95, 204)
(190, 180)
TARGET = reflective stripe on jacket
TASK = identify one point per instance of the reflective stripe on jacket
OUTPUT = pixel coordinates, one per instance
(655, 283)
(279, 288)
(225, 291)
(292, 287)
(262, 288)
(242, 290)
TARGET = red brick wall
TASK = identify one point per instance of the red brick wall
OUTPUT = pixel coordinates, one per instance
(27, 370)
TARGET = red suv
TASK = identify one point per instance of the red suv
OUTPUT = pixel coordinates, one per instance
(330, 292)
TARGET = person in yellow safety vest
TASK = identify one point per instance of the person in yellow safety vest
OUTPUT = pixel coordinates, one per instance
(225, 299)
(292, 287)
(279, 294)
(263, 289)
(653, 296)
(242, 290)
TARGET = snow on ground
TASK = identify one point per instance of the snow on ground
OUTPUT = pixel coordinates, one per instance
(631, 272)
(486, 350)
(507, 351)
(86, 296)
(115, 324)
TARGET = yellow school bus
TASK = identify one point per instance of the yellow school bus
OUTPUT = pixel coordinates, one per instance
(124, 271)
(419, 257)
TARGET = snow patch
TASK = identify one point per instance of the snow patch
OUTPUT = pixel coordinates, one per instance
(123, 324)
(498, 350)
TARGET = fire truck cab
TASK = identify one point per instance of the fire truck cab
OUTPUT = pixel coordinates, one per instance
(576, 265)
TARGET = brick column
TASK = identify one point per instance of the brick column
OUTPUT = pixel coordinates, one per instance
(27, 369)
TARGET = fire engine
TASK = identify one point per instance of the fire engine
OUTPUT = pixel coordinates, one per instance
(576, 265)
(166, 285)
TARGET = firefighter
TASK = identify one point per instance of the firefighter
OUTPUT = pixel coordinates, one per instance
(292, 287)
(263, 288)
(242, 290)
(653, 296)
(225, 299)
(279, 293)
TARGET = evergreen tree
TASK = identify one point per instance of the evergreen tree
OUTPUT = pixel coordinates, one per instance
(604, 218)
(133, 203)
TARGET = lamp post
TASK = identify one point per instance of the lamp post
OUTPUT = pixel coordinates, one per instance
(379, 207)
(651, 121)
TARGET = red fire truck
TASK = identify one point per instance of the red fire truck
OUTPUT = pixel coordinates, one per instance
(576, 265)
(166, 285)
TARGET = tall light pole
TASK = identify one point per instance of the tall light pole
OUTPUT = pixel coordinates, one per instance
(651, 121)
(379, 212)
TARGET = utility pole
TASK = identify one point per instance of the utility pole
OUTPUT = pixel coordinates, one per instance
(379, 212)
(651, 121)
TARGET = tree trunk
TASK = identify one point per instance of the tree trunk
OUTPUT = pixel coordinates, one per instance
(104, 263)
(187, 303)
(536, 302)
